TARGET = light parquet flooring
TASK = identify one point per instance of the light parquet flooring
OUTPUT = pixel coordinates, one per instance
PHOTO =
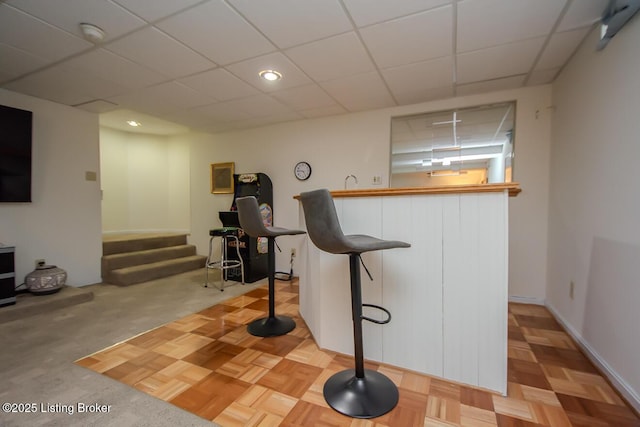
(208, 364)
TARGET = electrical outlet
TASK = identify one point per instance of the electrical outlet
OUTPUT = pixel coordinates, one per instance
(40, 262)
(293, 252)
(571, 286)
(377, 180)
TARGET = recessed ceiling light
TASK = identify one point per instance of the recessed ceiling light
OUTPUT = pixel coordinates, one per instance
(133, 123)
(271, 75)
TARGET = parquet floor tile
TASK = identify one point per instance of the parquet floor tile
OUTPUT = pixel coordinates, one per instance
(471, 416)
(208, 364)
(556, 339)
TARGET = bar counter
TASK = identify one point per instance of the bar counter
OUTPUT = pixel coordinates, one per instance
(447, 293)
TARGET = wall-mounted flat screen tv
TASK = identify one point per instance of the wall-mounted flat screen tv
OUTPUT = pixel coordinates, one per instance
(15, 154)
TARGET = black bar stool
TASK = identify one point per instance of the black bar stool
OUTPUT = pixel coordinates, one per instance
(252, 224)
(359, 392)
(227, 235)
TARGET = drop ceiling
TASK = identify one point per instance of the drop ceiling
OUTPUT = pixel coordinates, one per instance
(195, 63)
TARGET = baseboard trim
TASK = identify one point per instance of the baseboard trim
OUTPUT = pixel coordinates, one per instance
(526, 300)
(629, 394)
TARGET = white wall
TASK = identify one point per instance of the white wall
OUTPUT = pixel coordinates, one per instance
(62, 224)
(594, 233)
(359, 144)
(145, 182)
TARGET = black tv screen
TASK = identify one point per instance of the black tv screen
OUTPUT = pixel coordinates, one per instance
(15, 154)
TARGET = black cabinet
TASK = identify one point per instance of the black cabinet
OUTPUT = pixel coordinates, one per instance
(7, 276)
(252, 250)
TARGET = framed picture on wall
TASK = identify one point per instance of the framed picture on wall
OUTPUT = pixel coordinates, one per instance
(222, 178)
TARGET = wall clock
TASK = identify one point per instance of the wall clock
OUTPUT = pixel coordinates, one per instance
(302, 171)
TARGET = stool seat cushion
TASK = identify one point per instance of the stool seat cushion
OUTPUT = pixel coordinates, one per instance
(279, 231)
(325, 232)
(251, 220)
(359, 243)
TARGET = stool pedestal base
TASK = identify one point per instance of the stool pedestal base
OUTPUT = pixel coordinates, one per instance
(271, 326)
(368, 397)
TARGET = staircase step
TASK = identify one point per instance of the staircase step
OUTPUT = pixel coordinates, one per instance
(155, 270)
(129, 259)
(116, 245)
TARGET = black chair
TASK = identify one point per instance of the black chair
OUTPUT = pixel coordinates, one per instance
(359, 392)
(252, 224)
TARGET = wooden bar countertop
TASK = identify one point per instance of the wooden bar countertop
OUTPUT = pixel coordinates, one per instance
(512, 187)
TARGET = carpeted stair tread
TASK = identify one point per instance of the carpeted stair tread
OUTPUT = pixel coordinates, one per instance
(129, 259)
(145, 272)
(117, 245)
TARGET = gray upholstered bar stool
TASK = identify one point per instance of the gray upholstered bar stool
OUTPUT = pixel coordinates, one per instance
(252, 224)
(359, 392)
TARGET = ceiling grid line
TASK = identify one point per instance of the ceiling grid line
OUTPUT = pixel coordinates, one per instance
(359, 35)
(548, 39)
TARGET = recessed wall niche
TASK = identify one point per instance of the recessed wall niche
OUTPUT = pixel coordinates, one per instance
(471, 145)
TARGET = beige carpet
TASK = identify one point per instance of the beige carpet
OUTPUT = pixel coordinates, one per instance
(38, 353)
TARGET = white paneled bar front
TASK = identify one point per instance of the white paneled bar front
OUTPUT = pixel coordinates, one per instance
(447, 293)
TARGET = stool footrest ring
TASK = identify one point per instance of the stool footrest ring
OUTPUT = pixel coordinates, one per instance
(379, 322)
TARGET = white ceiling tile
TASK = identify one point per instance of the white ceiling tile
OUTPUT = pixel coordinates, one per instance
(156, 9)
(259, 105)
(267, 120)
(222, 112)
(5, 77)
(68, 14)
(415, 38)
(162, 98)
(151, 48)
(197, 119)
(410, 81)
(211, 127)
(424, 95)
(218, 32)
(490, 85)
(192, 117)
(582, 13)
(29, 34)
(16, 62)
(219, 84)
(291, 22)
(360, 92)
(484, 23)
(46, 88)
(560, 47)
(305, 97)
(500, 61)
(118, 119)
(541, 77)
(65, 85)
(337, 56)
(366, 12)
(291, 75)
(322, 112)
(109, 66)
(98, 106)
